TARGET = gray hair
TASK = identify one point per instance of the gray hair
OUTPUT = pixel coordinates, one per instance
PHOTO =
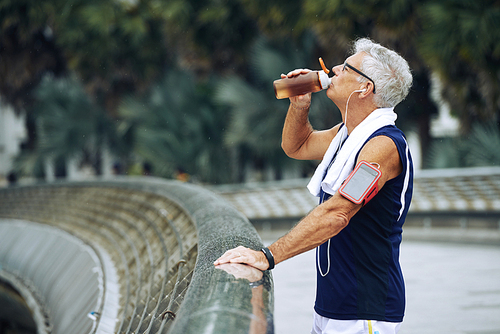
(387, 69)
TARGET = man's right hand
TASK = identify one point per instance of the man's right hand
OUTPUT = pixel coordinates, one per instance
(295, 73)
(299, 101)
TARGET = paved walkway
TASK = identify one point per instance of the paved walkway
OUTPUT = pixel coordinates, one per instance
(451, 289)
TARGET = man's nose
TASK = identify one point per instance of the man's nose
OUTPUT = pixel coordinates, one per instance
(337, 69)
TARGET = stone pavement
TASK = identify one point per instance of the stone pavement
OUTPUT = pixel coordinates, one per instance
(451, 288)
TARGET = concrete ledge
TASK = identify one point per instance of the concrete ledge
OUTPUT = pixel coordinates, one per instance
(217, 301)
(47, 258)
(35, 312)
(166, 283)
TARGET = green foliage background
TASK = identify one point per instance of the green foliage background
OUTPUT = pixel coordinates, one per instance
(187, 84)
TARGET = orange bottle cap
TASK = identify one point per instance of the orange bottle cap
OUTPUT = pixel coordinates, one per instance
(323, 65)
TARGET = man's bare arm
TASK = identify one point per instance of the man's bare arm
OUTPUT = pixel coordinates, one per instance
(299, 139)
(327, 219)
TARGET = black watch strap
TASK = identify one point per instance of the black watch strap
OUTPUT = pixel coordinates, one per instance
(269, 257)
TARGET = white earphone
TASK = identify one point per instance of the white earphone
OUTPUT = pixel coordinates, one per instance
(347, 103)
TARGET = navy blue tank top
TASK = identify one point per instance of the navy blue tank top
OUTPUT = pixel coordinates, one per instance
(361, 277)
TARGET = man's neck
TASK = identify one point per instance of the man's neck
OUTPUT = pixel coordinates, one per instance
(357, 114)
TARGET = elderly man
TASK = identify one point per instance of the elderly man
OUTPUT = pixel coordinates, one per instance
(364, 184)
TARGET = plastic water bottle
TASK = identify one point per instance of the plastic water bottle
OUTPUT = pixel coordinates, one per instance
(311, 82)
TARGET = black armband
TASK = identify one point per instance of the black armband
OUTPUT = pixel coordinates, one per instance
(269, 257)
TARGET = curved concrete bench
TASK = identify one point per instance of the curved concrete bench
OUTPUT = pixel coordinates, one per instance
(152, 243)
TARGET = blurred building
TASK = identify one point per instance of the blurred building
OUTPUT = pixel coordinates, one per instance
(444, 124)
(12, 134)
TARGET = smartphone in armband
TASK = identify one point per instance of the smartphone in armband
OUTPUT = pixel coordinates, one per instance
(361, 185)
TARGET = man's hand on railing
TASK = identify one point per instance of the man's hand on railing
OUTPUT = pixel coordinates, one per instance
(241, 254)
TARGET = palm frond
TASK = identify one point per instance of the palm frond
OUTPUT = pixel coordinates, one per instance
(176, 126)
(68, 122)
(446, 153)
(479, 148)
(484, 144)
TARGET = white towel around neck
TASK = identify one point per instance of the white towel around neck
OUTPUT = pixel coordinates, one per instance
(345, 159)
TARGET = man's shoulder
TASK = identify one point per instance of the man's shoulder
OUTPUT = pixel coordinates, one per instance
(389, 131)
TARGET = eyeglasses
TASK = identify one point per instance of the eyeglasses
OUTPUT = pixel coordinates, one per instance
(359, 72)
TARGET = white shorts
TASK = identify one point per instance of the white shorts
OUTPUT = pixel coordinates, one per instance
(322, 325)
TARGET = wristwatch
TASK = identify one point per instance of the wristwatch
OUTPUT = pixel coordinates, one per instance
(269, 257)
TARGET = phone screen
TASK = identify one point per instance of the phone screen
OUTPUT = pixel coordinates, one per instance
(360, 182)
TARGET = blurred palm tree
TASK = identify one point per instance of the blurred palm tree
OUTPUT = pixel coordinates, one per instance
(460, 42)
(176, 127)
(395, 24)
(27, 49)
(114, 47)
(483, 145)
(257, 117)
(278, 18)
(70, 126)
(479, 148)
(447, 153)
(207, 35)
